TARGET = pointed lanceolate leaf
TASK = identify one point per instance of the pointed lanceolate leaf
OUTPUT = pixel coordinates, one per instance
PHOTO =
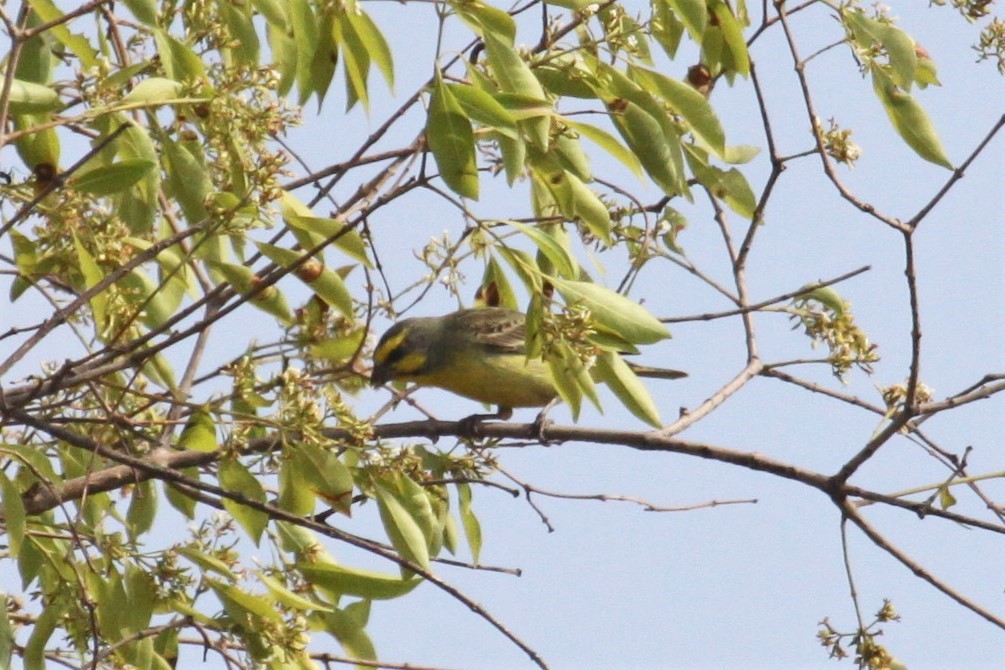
(153, 90)
(693, 14)
(113, 178)
(236, 478)
(452, 141)
(402, 529)
(687, 102)
(28, 98)
(472, 528)
(629, 389)
(910, 120)
(613, 311)
(485, 109)
(357, 582)
(608, 143)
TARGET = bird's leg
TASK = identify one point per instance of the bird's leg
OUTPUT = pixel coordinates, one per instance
(471, 425)
(542, 421)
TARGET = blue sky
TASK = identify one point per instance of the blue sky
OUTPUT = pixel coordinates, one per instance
(739, 585)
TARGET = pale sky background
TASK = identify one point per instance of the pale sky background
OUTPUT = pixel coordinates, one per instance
(739, 586)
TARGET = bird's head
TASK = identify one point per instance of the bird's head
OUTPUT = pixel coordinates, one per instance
(404, 351)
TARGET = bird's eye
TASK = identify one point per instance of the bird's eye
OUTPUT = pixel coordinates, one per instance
(394, 354)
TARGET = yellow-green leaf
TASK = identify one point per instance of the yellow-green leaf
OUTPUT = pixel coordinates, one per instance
(472, 528)
(92, 277)
(28, 97)
(688, 103)
(693, 14)
(288, 597)
(608, 143)
(613, 311)
(910, 120)
(199, 433)
(357, 582)
(153, 91)
(484, 108)
(13, 517)
(236, 478)
(452, 141)
(629, 389)
(402, 529)
(113, 178)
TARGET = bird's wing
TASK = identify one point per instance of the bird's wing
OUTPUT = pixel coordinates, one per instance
(502, 330)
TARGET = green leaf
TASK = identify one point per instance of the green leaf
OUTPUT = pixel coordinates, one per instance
(180, 62)
(415, 501)
(39, 147)
(557, 253)
(910, 120)
(232, 596)
(28, 98)
(515, 76)
(472, 528)
(112, 178)
(350, 633)
(569, 153)
(402, 529)
(42, 630)
(373, 39)
(946, 497)
(180, 501)
(6, 633)
(236, 478)
(589, 208)
(326, 283)
(239, 21)
(608, 143)
(729, 185)
(740, 154)
(732, 36)
(268, 299)
(142, 509)
(826, 296)
(188, 179)
(485, 109)
(325, 475)
(324, 58)
(629, 389)
(154, 90)
(613, 311)
(495, 277)
(288, 597)
(321, 228)
(688, 103)
(571, 378)
(92, 277)
(294, 496)
(78, 44)
(355, 61)
(693, 14)
(199, 433)
(487, 20)
(452, 141)
(357, 582)
(647, 140)
(899, 46)
(206, 562)
(141, 590)
(144, 10)
(273, 10)
(13, 517)
(339, 348)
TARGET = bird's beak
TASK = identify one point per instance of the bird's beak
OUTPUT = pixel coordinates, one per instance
(379, 375)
